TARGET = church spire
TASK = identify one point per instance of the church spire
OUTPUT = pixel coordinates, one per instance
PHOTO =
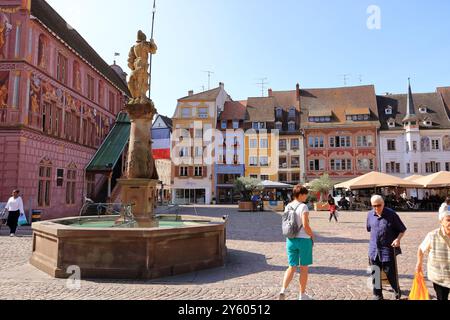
(410, 108)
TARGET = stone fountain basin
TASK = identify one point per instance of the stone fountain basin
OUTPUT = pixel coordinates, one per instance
(128, 253)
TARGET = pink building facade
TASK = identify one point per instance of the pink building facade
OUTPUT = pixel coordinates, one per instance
(58, 101)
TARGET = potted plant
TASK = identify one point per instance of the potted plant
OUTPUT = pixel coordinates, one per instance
(322, 186)
(247, 187)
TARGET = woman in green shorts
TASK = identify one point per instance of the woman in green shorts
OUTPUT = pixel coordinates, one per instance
(300, 248)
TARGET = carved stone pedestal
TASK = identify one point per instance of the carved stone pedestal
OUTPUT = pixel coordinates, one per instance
(141, 194)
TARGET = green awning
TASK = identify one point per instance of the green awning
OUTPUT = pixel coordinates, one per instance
(112, 148)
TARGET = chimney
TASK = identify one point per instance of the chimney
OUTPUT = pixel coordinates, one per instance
(191, 93)
(270, 93)
(297, 89)
(222, 85)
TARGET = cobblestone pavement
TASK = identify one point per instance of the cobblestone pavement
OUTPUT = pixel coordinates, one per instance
(255, 265)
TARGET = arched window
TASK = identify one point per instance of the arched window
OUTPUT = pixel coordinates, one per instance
(44, 185)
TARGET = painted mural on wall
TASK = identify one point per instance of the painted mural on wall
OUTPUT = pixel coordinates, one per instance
(446, 143)
(35, 94)
(5, 30)
(425, 144)
(4, 78)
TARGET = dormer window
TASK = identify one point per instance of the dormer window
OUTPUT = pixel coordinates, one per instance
(423, 110)
(391, 123)
(319, 119)
(427, 123)
(279, 126)
(279, 112)
(359, 117)
(291, 127)
(292, 112)
(388, 110)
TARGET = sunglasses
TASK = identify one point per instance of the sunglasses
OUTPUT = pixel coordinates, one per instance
(377, 205)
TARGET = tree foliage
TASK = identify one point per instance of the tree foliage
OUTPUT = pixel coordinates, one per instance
(323, 185)
(247, 187)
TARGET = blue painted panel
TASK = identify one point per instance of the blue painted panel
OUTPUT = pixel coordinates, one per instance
(230, 169)
(160, 134)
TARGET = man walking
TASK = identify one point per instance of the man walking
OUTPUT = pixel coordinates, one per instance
(386, 230)
(15, 208)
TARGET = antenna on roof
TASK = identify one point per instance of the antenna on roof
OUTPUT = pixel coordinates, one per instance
(209, 78)
(345, 77)
(360, 79)
(263, 82)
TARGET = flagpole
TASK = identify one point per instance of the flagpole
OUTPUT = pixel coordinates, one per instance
(151, 55)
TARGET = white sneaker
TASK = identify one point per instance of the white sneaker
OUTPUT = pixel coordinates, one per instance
(12, 235)
(305, 297)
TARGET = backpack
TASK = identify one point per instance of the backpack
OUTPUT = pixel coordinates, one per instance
(290, 226)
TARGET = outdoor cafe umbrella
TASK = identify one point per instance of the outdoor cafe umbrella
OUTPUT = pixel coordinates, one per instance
(376, 180)
(275, 185)
(435, 181)
(414, 177)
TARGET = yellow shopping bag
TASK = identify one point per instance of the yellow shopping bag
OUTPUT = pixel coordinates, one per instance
(419, 289)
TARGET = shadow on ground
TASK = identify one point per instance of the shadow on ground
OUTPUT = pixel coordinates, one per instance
(238, 264)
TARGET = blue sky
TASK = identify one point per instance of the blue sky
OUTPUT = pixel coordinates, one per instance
(311, 42)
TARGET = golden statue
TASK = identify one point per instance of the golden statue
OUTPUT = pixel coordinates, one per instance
(2, 37)
(139, 65)
(3, 95)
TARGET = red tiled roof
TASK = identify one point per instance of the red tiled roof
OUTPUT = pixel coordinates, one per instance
(286, 99)
(261, 109)
(210, 95)
(337, 101)
(445, 93)
(233, 110)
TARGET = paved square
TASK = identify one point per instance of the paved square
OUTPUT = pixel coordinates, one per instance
(255, 265)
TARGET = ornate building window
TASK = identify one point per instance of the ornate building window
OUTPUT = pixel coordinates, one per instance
(42, 51)
(62, 68)
(76, 76)
(71, 184)
(90, 87)
(44, 183)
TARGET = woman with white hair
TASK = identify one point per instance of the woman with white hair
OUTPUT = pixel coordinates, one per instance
(437, 246)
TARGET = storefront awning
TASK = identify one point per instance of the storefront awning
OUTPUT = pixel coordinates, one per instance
(112, 148)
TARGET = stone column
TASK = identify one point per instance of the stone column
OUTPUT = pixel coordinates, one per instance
(138, 189)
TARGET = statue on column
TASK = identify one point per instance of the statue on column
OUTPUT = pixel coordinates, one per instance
(141, 110)
(138, 63)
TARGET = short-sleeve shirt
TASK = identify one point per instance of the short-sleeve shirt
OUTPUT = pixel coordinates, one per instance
(427, 244)
(301, 210)
(383, 231)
